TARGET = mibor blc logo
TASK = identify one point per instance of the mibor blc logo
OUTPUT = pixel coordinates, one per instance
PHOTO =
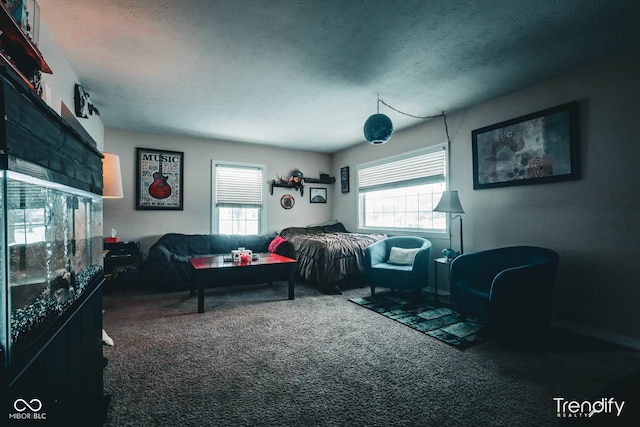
(28, 410)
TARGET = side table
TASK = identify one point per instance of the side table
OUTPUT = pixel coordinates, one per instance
(122, 257)
(439, 261)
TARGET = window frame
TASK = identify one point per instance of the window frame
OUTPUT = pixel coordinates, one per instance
(435, 233)
(215, 223)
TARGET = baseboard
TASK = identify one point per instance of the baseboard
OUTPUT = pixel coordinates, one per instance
(600, 334)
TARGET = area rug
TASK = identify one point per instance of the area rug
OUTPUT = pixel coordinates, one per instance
(419, 312)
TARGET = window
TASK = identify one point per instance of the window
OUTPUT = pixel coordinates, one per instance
(238, 195)
(399, 193)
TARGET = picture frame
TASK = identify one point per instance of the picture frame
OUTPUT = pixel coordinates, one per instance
(536, 148)
(317, 195)
(159, 179)
(287, 201)
(344, 179)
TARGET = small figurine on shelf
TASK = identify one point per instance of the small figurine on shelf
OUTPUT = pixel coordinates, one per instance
(297, 178)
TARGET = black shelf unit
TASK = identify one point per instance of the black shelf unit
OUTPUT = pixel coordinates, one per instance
(18, 52)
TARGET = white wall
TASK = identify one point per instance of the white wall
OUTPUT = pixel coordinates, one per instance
(62, 84)
(591, 222)
(147, 226)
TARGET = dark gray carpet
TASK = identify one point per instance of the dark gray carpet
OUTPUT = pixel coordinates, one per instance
(418, 311)
(257, 359)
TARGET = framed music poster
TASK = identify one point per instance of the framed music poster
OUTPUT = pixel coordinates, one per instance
(159, 179)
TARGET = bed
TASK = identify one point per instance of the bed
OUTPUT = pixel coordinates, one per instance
(327, 254)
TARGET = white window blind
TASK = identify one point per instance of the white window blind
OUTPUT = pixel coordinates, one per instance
(238, 186)
(425, 168)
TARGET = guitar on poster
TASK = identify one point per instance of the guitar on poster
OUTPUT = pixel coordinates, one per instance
(159, 188)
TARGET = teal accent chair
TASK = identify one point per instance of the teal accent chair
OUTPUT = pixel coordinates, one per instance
(509, 289)
(409, 277)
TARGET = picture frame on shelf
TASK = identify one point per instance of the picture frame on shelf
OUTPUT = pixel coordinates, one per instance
(159, 179)
(536, 148)
(317, 195)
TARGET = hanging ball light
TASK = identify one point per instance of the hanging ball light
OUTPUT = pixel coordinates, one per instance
(378, 129)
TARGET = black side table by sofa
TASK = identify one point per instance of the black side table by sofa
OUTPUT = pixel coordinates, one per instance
(437, 262)
(122, 262)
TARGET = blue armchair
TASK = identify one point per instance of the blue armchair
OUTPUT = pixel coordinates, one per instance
(400, 262)
(506, 288)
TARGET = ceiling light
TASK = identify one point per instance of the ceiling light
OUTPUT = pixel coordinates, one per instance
(378, 128)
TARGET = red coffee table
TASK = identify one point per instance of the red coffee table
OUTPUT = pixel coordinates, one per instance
(214, 270)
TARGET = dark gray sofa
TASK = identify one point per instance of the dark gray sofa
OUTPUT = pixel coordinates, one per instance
(167, 265)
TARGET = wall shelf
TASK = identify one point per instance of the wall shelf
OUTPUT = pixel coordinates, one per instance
(297, 187)
(300, 186)
(329, 180)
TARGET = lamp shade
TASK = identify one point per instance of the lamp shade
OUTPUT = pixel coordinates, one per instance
(378, 129)
(449, 202)
(111, 177)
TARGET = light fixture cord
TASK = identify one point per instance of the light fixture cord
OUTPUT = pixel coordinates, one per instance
(443, 115)
(407, 114)
(446, 129)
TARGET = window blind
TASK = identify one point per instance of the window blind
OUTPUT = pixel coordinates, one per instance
(425, 168)
(238, 186)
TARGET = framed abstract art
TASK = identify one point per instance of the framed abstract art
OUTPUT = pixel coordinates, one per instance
(536, 148)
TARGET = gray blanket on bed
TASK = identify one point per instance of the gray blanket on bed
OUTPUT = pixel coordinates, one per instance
(328, 254)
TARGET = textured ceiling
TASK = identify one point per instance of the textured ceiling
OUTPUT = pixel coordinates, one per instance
(306, 73)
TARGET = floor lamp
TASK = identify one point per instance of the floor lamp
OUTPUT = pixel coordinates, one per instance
(450, 203)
